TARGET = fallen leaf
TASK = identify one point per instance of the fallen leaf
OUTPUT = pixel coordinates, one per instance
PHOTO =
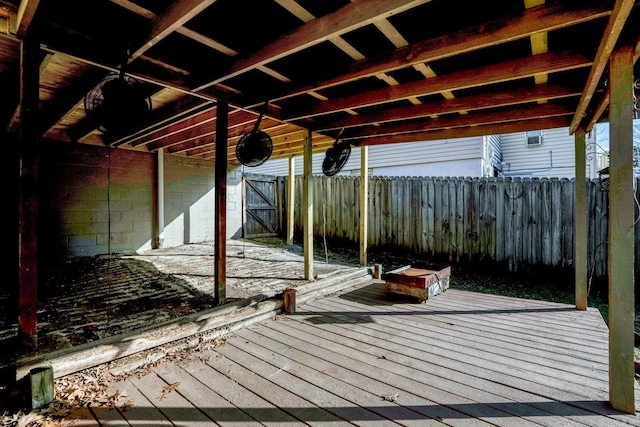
(171, 387)
(391, 397)
(126, 406)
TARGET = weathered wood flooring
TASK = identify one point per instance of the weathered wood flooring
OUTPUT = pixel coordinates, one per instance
(367, 358)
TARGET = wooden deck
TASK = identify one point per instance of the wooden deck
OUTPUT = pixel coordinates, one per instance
(367, 358)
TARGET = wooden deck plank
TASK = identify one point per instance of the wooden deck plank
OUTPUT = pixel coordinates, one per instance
(287, 340)
(79, 417)
(367, 381)
(446, 392)
(211, 403)
(297, 406)
(501, 318)
(357, 357)
(109, 417)
(321, 398)
(558, 316)
(516, 359)
(172, 405)
(135, 408)
(495, 300)
(538, 409)
(241, 397)
(533, 318)
(481, 321)
(464, 331)
(480, 329)
(599, 406)
(397, 384)
(361, 391)
(632, 420)
(397, 341)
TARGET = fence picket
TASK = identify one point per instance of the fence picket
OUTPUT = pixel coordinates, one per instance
(523, 222)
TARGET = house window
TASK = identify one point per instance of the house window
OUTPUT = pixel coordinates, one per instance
(534, 137)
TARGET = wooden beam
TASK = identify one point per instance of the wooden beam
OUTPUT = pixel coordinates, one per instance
(146, 72)
(26, 12)
(364, 203)
(177, 14)
(237, 121)
(279, 142)
(580, 221)
(165, 117)
(220, 292)
(539, 41)
(14, 123)
(598, 111)
(621, 232)
(507, 71)
(473, 119)
(493, 99)
(350, 17)
(307, 203)
(193, 35)
(481, 130)
(618, 18)
(28, 203)
(500, 31)
(291, 202)
(67, 99)
(603, 103)
(187, 128)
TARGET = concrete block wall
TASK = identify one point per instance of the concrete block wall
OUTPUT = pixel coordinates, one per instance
(234, 202)
(188, 201)
(95, 200)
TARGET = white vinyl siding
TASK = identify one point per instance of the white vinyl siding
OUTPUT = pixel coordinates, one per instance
(553, 158)
(396, 158)
(492, 156)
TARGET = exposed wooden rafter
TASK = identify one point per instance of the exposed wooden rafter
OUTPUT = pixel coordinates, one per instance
(618, 18)
(352, 16)
(490, 74)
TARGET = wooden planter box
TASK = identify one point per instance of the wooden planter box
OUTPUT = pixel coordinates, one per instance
(417, 282)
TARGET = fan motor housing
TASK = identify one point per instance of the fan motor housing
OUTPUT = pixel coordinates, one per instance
(118, 104)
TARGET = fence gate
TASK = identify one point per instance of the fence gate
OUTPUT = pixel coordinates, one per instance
(259, 199)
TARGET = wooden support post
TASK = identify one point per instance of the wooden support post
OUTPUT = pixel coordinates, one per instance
(160, 189)
(364, 203)
(377, 271)
(42, 386)
(28, 205)
(291, 202)
(580, 221)
(289, 301)
(307, 212)
(222, 119)
(621, 232)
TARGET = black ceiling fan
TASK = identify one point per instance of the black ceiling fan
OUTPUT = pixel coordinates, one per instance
(336, 157)
(118, 104)
(255, 147)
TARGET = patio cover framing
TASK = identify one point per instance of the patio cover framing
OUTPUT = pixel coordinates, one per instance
(617, 53)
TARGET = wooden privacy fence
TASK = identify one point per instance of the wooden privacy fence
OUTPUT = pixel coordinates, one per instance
(517, 221)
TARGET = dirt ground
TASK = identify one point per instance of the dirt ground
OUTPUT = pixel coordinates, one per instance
(90, 298)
